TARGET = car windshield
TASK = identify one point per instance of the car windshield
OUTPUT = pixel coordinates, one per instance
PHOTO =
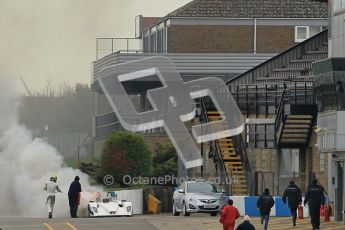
(202, 188)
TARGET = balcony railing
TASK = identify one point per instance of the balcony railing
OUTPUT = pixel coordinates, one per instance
(106, 46)
(262, 100)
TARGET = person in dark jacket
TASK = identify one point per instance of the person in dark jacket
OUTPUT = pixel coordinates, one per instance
(73, 196)
(294, 196)
(246, 225)
(265, 203)
(314, 197)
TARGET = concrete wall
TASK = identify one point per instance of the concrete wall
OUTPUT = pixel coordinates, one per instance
(135, 196)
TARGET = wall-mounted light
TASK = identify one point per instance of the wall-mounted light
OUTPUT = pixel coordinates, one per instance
(318, 130)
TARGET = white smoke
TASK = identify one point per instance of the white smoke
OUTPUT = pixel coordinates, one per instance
(26, 164)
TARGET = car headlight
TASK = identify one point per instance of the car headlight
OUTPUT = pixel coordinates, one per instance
(192, 200)
(94, 209)
(129, 208)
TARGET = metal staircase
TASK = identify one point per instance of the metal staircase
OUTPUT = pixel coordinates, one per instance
(277, 97)
(296, 129)
(295, 118)
(293, 64)
(234, 161)
(282, 89)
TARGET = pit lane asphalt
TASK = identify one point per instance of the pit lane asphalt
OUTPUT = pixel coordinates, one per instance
(149, 222)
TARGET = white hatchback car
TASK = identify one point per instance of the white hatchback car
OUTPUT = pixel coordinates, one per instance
(198, 196)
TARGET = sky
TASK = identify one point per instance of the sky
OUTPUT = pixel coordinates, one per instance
(54, 41)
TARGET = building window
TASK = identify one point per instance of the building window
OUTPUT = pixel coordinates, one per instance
(301, 33)
(322, 162)
(325, 91)
(338, 4)
(304, 32)
(289, 162)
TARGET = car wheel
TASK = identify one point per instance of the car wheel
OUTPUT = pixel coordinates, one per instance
(213, 213)
(175, 213)
(185, 213)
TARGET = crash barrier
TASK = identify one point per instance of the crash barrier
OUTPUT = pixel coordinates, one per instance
(246, 205)
(154, 205)
(135, 196)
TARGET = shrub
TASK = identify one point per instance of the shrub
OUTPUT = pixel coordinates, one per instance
(165, 160)
(125, 153)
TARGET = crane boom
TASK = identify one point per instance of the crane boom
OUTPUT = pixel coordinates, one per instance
(25, 86)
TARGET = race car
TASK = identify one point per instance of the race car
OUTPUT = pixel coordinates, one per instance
(109, 206)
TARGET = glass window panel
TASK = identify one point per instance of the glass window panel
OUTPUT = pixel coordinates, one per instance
(284, 161)
(322, 162)
(337, 4)
(289, 162)
(301, 32)
(313, 30)
(294, 161)
(340, 89)
(325, 92)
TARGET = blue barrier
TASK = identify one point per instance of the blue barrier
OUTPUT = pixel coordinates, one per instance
(250, 206)
(281, 208)
(246, 205)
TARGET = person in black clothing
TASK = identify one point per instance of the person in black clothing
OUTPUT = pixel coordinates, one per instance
(314, 197)
(73, 193)
(246, 225)
(265, 203)
(293, 193)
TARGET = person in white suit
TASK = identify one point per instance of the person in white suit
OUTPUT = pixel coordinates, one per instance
(51, 187)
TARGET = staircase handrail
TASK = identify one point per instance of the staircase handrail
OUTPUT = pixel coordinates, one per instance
(286, 99)
(224, 174)
(246, 164)
(280, 113)
(218, 153)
